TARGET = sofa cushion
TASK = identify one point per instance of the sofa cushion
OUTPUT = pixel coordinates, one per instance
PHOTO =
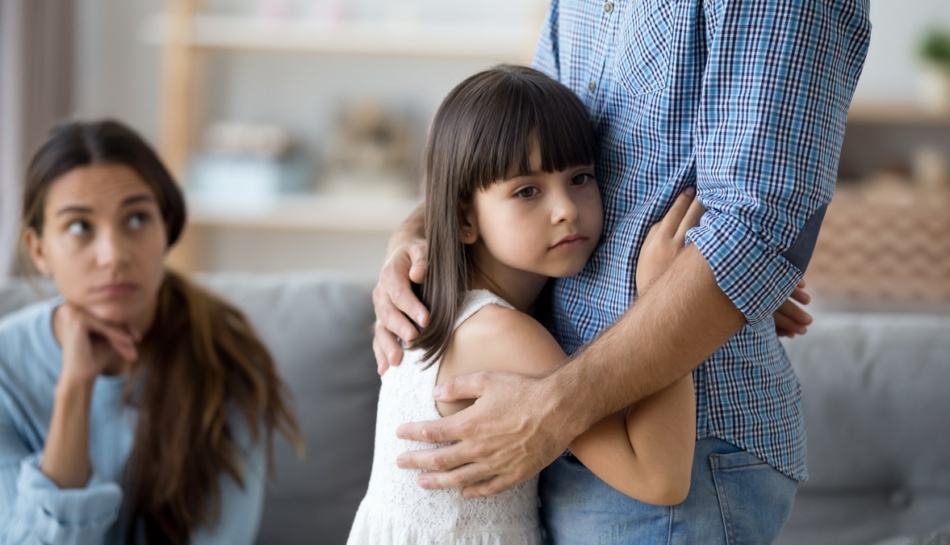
(875, 393)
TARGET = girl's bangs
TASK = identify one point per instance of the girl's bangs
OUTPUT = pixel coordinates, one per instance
(532, 109)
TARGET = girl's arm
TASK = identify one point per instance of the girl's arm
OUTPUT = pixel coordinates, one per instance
(646, 454)
(646, 451)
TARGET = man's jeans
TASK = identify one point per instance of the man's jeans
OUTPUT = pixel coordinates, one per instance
(734, 498)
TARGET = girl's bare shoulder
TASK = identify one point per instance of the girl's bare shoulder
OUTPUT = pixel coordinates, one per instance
(502, 339)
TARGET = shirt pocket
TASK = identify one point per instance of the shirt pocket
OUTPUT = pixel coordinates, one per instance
(646, 44)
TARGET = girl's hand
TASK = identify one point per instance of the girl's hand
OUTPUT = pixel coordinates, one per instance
(667, 237)
(90, 345)
(791, 319)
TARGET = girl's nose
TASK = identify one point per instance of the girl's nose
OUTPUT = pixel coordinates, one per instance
(565, 209)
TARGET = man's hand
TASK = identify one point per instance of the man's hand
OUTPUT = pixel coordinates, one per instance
(516, 427)
(393, 298)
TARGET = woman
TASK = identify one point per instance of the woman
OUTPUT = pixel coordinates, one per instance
(135, 407)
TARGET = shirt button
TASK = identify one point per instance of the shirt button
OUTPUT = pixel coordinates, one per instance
(591, 87)
(608, 7)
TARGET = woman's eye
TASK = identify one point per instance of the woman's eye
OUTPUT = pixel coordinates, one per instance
(582, 178)
(526, 192)
(77, 227)
(136, 221)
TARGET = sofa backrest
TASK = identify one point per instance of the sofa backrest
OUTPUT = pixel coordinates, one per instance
(876, 398)
(318, 326)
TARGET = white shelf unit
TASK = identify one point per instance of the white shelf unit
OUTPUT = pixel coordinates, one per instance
(350, 213)
(187, 35)
(408, 39)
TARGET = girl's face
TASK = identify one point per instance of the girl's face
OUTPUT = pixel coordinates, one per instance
(541, 224)
(103, 243)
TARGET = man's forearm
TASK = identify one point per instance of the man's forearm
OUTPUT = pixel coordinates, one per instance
(671, 329)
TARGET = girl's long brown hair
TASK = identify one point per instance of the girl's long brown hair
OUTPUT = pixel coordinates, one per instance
(200, 366)
(483, 133)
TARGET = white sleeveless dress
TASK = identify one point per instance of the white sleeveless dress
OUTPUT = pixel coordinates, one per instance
(396, 510)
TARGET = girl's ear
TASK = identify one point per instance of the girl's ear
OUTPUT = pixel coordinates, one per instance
(34, 243)
(468, 226)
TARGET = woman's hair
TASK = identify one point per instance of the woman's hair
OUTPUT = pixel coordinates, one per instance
(482, 133)
(200, 360)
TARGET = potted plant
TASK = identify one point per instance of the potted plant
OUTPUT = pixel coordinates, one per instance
(935, 77)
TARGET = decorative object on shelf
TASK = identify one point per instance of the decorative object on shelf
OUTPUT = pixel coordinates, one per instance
(372, 152)
(248, 163)
(258, 140)
(935, 75)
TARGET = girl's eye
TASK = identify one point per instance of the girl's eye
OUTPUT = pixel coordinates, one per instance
(526, 192)
(136, 221)
(582, 178)
(77, 227)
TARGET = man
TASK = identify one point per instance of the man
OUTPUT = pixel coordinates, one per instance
(747, 101)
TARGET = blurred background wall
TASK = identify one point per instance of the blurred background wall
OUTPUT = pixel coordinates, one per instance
(119, 67)
(118, 74)
(321, 106)
(37, 44)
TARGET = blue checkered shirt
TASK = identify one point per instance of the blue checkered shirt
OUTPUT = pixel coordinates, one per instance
(747, 101)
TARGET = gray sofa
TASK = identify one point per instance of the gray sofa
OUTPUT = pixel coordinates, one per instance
(875, 396)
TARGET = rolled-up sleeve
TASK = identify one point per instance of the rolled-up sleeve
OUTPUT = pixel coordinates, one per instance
(777, 86)
(33, 510)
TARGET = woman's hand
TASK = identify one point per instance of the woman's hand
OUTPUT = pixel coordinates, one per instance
(90, 345)
(90, 348)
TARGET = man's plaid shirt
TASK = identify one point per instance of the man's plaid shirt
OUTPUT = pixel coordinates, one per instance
(746, 100)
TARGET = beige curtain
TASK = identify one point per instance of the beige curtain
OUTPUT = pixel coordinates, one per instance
(36, 56)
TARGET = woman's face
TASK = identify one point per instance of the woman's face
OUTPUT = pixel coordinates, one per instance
(103, 243)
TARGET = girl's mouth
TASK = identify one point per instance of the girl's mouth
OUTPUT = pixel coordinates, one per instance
(569, 241)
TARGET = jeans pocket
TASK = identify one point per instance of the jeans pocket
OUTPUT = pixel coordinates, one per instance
(755, 499)
(647, 43)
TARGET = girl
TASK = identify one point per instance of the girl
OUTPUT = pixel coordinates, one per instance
(511, 201)
(135, 407)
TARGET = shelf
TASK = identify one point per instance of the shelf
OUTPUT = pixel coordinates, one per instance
(884, 113)
(365, 214)
(513, 43)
